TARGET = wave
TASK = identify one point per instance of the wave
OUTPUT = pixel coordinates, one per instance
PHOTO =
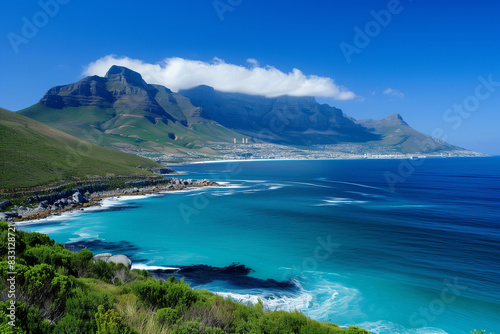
(142, 266)
(357, 185)
(255, 186)
(336, 201)
(84, 236)
(366, 194)
(387, 327)
(271, 301)
(252, 181)
(315, 296)
(310, 184)
(230, 185)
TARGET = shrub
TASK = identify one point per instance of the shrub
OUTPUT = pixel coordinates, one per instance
(162, 294)
(81, 262)
(80, 311)
(55, 255)
(28, 320)
(109, 322)
(167, 316)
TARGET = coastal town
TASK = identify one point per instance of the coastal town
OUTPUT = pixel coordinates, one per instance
(243, 149)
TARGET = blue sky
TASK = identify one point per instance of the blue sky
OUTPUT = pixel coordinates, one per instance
(429, 59)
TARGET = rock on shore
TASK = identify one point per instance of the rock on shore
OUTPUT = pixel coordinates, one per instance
(108, 257)
(46, 205)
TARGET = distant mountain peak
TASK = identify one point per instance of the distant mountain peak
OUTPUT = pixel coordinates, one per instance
(394, 119)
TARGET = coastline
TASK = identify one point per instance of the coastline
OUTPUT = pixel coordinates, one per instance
(332, 159)
(95, 199)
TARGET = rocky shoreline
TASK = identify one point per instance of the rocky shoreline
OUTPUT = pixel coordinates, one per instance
(91, 195)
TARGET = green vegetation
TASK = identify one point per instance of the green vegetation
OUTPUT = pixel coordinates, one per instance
(122, 127)
(34, 154)
(62, 292)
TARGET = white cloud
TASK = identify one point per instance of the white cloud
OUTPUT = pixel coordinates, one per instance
(253, 61)
(394, 92)
(179, 73)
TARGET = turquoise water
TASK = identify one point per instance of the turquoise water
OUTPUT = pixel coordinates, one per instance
(332, 239)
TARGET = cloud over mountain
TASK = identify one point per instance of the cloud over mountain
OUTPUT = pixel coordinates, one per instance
(178, 73)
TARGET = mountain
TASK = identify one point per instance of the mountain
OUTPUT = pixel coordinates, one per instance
(35, 154)
(395, 132)
(122, 111)
(283, 120)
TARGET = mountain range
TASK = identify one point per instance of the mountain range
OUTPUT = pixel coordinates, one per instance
(122, 111)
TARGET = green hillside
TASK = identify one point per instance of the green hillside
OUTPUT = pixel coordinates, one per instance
(35, 154)
(128, 132)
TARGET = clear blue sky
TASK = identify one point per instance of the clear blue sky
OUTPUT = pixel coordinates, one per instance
(430, 54)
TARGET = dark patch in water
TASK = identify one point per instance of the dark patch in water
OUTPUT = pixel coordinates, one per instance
(116, 208)
(235, 274)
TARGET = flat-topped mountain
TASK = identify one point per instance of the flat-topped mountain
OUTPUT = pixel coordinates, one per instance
(284, 119)
(122, 111)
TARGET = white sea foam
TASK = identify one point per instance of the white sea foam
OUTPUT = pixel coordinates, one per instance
(320, 300)
(252, 181)
(142, 266)
(223, 193)
(272, 301)
(104, 204)
(335, 201)
(275, 186)
(230, 185)
(84, 236)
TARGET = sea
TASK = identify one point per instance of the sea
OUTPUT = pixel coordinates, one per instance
(392, 246)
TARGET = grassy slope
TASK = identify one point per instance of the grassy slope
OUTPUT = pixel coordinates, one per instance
(120, 129)
(35, 154)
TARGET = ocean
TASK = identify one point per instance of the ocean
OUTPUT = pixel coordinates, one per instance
(393, 246)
